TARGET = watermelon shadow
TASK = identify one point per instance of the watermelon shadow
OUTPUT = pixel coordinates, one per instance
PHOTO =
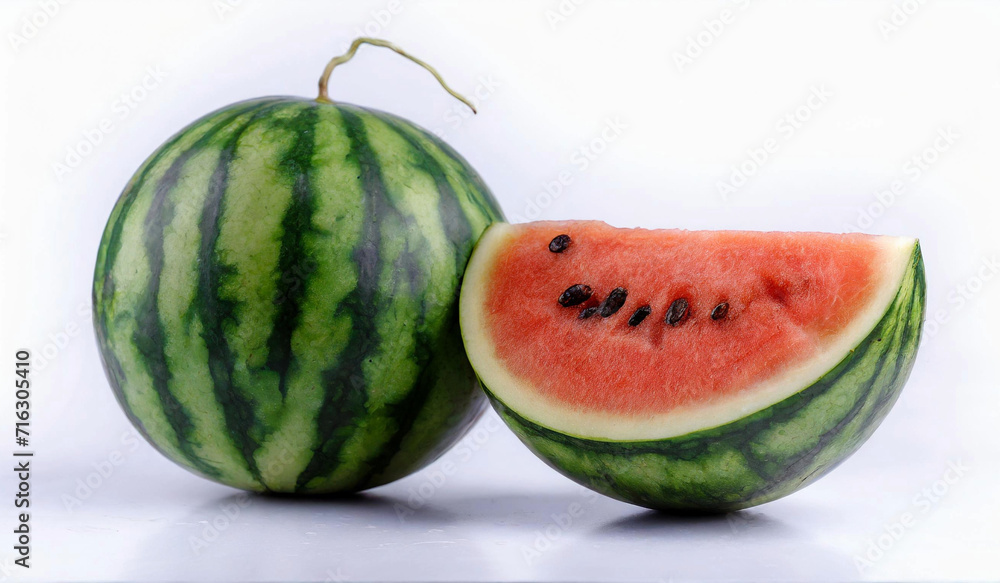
(377, 505)
(372, 504)
(242, 536)
(528, 510)
(703, 522)
(756, 546)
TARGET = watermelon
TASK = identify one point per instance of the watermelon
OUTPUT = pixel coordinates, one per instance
(276, 296)
(687, 370)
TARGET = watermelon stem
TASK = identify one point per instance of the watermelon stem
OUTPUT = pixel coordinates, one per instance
(325, 78)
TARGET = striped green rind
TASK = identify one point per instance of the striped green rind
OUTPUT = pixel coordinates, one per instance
(761, 457)
(275, 296)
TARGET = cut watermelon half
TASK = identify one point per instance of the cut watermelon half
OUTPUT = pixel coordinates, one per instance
(691, 369)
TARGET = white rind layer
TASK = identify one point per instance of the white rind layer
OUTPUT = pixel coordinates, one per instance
(522, 398)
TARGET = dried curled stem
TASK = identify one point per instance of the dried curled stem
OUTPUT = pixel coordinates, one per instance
(325, 78)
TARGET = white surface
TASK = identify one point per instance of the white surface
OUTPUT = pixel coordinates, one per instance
(546, 92)
(502, 515)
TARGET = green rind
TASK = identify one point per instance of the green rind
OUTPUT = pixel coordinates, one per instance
(763, 456)
(275, 296)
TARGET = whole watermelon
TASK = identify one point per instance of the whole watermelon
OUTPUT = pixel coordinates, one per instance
(275, 296)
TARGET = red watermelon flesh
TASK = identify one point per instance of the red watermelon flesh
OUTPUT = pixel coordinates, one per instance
(795, 304)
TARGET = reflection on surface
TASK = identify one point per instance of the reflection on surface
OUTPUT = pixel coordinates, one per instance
(565, 533)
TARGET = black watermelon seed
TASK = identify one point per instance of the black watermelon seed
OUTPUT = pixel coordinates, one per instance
(560, 243)
(614, 302)
(575, 295)
(719, 312)
(677, 311)
(639, 316)
(587, 312)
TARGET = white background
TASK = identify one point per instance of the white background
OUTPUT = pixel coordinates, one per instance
(548, 85)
